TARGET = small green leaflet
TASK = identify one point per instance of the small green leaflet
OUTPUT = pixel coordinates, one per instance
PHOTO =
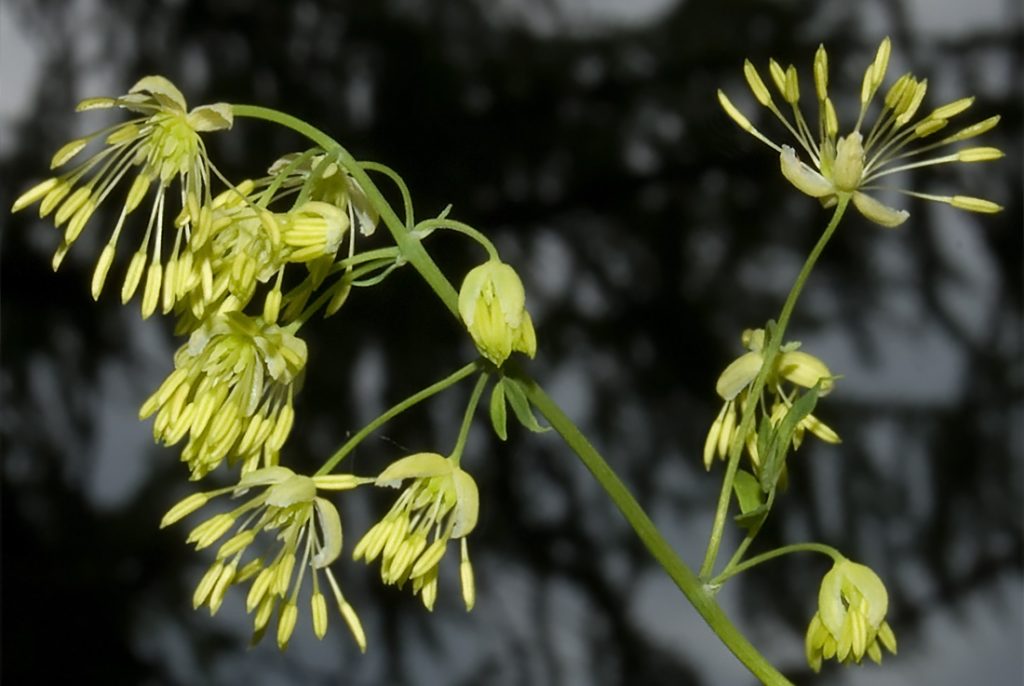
(751, 499)
(498, 414)
(510, 390)
(774, 459)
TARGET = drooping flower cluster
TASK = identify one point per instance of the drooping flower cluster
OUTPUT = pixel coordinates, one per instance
(217, 262)
(231, 392)
(850, 621)
(791, 366)
(307, 529)
(161, 146)
(854, 164)
(439, 505)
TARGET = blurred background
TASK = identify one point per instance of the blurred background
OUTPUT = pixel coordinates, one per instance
(584, 136)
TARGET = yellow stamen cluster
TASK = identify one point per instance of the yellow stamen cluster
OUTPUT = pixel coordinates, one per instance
(853, 164)
(231, 392)
(793, 367)
(161, 146)
(439, 505)
(492, 304)
(307, 531)
(850, 621)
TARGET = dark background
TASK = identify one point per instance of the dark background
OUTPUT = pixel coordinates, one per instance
(585, 138)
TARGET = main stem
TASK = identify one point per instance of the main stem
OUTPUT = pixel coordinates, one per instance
(684, 578)
(747, 422)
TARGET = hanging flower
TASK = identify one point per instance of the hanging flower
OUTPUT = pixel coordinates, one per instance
(160, 147)
(792, 368)
(492, 304)
(854, 164)
(322, 179)
(850, 621)
(307, 531)
(248, 246)
(231, 392)
(440, 504)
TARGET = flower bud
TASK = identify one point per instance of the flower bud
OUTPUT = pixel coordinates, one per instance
(492, 304)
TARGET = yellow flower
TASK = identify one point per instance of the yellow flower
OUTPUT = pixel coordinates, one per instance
(231, 392)
(307, 531)
(323, 180)
(793, 367)
(440, 504)
(249, 245)
(162, 145)
(853, 164)
(850, 621)
(492, 304)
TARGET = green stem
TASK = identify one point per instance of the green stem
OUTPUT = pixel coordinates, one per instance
(732, 570)
(322, 299)
(752, 532)
(398, 409)
(681, 575)
(467, 419)
(397, 180)
(410, 246)
(749, 411)
(428, 225)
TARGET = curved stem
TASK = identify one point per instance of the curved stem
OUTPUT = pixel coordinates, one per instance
(393, 412)
(428, 225)
(365, 267)
(681, 575)
(733, 570)
(467, 419)
(747, 422)
(397, 180)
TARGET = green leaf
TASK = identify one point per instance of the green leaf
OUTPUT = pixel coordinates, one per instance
(748, 491)
(520, 404)
(754, 507)
(498, 412)
(783, 436)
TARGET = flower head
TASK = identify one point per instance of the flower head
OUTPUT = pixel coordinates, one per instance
(492, 304)
(440, 504)
(324, 180)
(852, 165)
(160, 147)
(246, 244)
(231, 392)
(249, 245)
(792, 368)
(307, 530)
(850, 621)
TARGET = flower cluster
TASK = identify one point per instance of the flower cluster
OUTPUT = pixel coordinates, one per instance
(308, 531)
(439, 505)
(850, 621)
(231, 392)
(790, 366)
(162, 146)
(852, 165)
(217, 262)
